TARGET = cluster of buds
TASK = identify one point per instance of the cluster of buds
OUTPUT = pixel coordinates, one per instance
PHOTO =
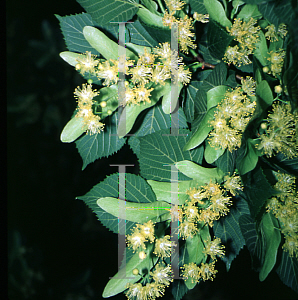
(280, 132)
(246, 34)
(185, 25)
(285, 207)
(231, 117)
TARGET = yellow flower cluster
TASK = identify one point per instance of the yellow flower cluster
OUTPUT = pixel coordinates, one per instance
(85, 101)
(246, 34)
(203, 18)
(276, 59)
(232, 115)
(145, 232)
(285, 208)
(207, 204)
(151, 68)
(281, 132)
(196, 273)
(161, 278)
(184, 25)
(272, 34)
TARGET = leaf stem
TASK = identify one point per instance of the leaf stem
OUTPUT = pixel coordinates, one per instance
(161, 6)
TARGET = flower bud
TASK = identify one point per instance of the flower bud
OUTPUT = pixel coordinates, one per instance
(103, 104)
(277, 89)
(135, 271)
(265, 69)
(142, 255)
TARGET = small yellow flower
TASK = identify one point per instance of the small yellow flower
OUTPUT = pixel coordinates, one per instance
(271, 33)
(187, 229)
(108, 72)
(87, 63)
(142, 94)
(140, 74)
(136, 240)
(94, 124)
(168, 19)
(201, 18)
(207, 271)
(291, 245)
(134, 290)
(147, 230)
(160, 74)
(174, 5)
(248, 85)
(162, 275)
(191, 270)
(86, 94)
(214, 248)
(233, 184)
(163, 246)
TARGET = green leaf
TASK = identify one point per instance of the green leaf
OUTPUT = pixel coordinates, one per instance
(261, 51)
(106, 11)
(264, 91)
(179, 289)
(104, 45)
(227, 228)
(215, 95)
(150, 18)
(226, 162)
(160, 150)
(154, 120)
(211, 154)
(249, 11)
(198, 6)
(135, 212)
(118, 282)
(164, 190)
(195, 248)
(202, 131)
(218, 40)
(270, 232)
(189, 102)
(72, 30)
(252, 239)
(257, 190)
(92, 147)
(288, 271)
(168, 105)
(139, 35)
(137, 190)
(217, 13)
(275, 11)
(73, 129)
(164, 34)
(249, 160)
(198, 172)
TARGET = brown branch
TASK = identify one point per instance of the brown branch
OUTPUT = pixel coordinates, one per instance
(211, 66)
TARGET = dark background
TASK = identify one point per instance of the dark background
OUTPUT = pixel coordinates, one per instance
(56, 247)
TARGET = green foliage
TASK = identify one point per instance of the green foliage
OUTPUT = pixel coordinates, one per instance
(93, 147)
(228, 230)
(160, 150)
(106, 11)
(169, 130)
(137, 190)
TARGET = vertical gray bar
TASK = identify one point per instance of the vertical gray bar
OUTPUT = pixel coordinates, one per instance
(121, 223)
(174, 81)
(174, 223)
(121, 82)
